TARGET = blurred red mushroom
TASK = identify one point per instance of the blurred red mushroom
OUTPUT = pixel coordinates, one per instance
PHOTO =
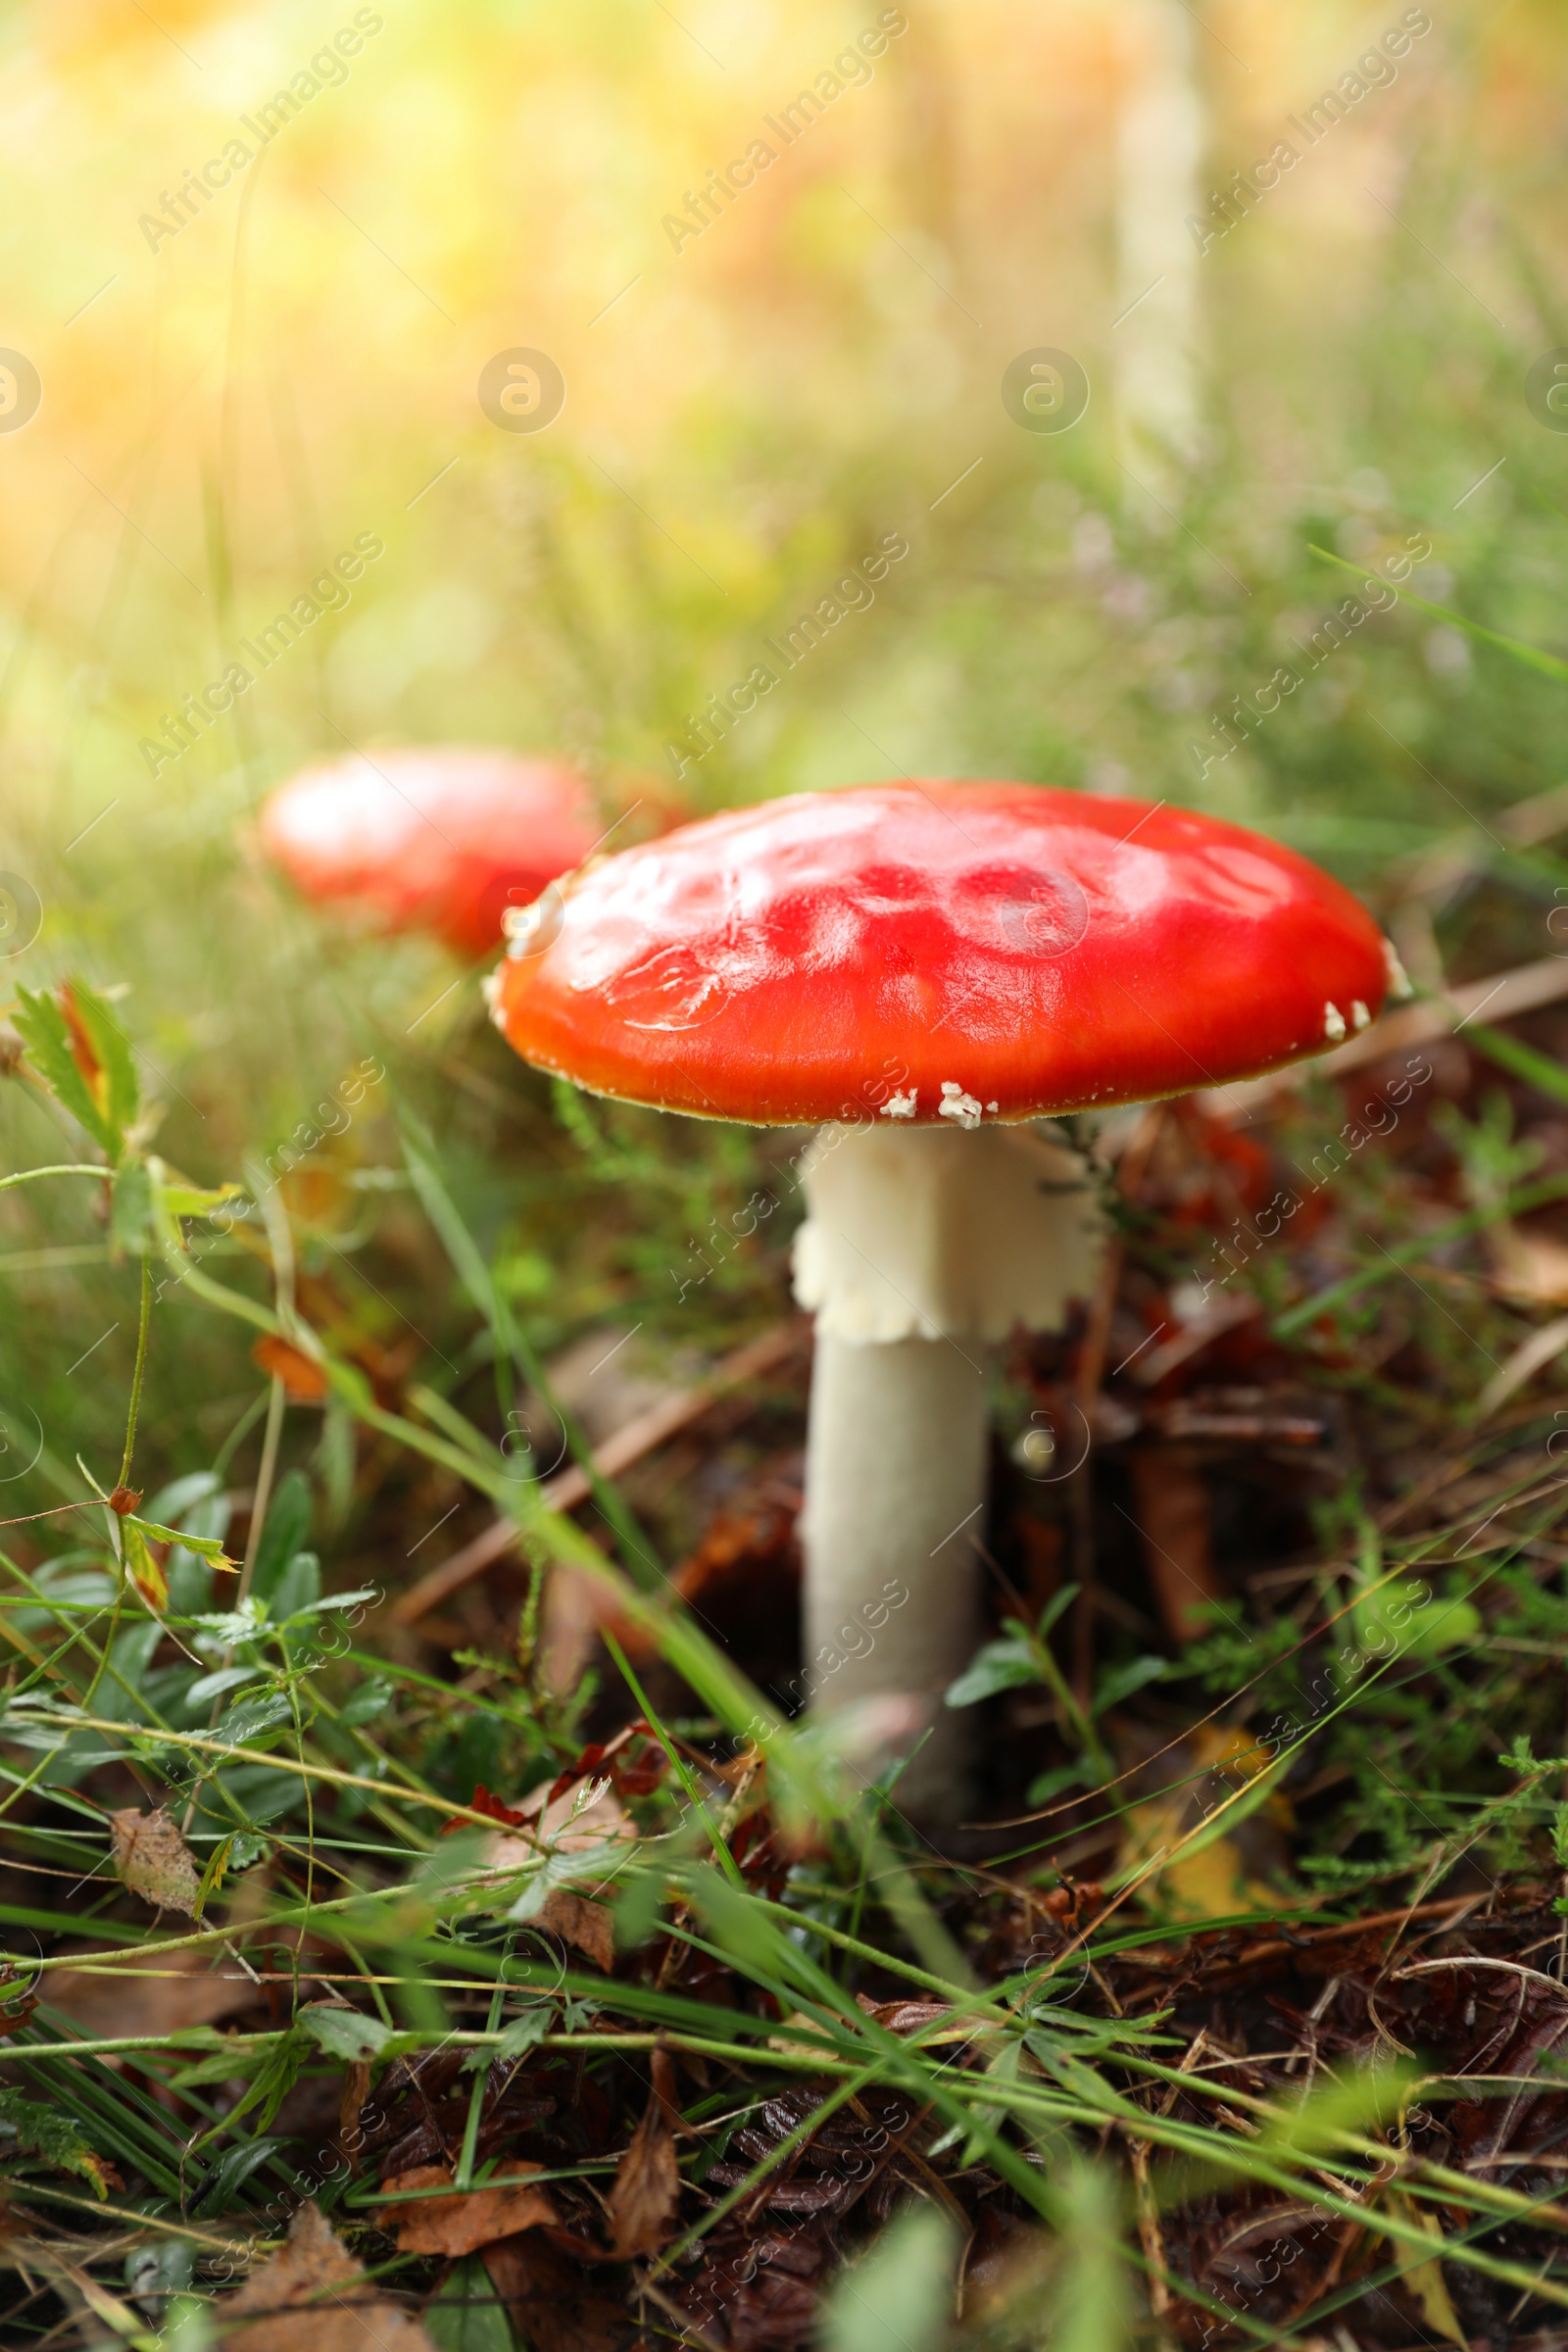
(434, 837)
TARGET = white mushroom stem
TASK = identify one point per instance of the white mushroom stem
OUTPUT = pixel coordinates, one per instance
(924, 1245)
(896, 1483)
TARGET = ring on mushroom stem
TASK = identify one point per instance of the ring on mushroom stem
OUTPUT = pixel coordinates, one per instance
(963, 958)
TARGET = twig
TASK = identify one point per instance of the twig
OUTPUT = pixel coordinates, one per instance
(1504, 994)
(617, 1453)
(264, 1485)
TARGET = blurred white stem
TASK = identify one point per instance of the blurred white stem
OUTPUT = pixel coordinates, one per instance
(1159, 154)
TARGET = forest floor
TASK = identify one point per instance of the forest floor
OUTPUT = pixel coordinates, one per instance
(470, 1953)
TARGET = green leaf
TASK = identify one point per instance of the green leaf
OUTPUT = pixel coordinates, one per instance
(346, 2032)
(221, 2064)
(231, 2171)
(44, 2131)
(1315, 2124)
(1455, 1625)
(140, 1566)
(209, 1547)
(1074, 2075)
(279, 2074)
(898, 2297)
(1120, 1682)
(1062, 1599)
(118, 1089)
(466, 2314)
(211, 1876)
(363, 1705)
(183, 1496)
(1092, 2297)
(225, 1677)
(183, 1199)
(343, 1601)
(43, 1031)
(1539, 1070)
(738, 1923)
(1051, 1783)
(288, 1523)
(203, 1520)
(1405, 1619)
(297, 1589)
(244, 1725)
(418, 1151)
(997, 1666)
(524, 2032)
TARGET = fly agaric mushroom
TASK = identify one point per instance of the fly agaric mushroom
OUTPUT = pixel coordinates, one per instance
(917, 969)
(444, 838)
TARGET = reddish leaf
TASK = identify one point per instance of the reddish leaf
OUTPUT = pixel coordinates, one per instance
(458, 2226)
(493, 1809)
(304, 1379)
(83, 1052)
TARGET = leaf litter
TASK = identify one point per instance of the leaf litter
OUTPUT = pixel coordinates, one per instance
(1261, 2029)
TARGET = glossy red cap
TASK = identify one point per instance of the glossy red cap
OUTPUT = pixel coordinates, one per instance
(440, 838)
(946, 951)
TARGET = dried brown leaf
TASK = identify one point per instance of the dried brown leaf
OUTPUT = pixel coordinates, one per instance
(315, 2297)
(356, 2090)
(457, 2226)
(552, 2305)
(647, 2186)
(1424, 2280)
(576, 1921)
(179, 1989)
(581, 1817)
(154, 1861)
(914, 2016)
(1175, 1517)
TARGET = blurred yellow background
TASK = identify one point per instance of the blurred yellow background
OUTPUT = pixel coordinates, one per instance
(299, 363)
(236, 387)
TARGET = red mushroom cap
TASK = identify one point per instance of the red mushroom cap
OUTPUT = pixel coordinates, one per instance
(440, 838)
(939, 951)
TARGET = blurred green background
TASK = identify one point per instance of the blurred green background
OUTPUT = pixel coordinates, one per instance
(231, 398)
